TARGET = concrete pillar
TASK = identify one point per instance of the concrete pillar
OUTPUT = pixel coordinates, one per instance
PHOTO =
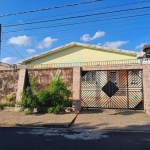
(76, 89)
(21, 83)
(146, 88)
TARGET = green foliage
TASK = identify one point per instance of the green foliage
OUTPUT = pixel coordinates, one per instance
(44, 98)
(56, 97)
(67, 103)
(56, 110)
(33, 84)
(51, 110)
(59, 92)
(29, 100)
(29, 111)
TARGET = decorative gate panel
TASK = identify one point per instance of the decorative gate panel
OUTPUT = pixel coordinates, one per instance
(112, 89)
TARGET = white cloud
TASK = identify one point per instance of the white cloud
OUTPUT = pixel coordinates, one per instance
(87, 37)
(99, 44)
(20, 40)
(115, 44)
(31, 51)
(9, 60)
(46, 43)
(140, 46)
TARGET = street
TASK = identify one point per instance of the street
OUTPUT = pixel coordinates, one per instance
(74, 139)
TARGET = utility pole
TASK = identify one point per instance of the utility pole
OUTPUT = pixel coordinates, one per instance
(0, 39)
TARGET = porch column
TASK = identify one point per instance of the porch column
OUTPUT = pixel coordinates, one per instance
(76, 89)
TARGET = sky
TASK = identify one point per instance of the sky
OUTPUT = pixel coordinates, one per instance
(114, 24)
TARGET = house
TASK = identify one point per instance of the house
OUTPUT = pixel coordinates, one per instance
(146, 49)
(117, 86)
(81, 53)
(4, 65)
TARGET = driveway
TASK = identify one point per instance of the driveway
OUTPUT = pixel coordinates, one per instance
(113, 119)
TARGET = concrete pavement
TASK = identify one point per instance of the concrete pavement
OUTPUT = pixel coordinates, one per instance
(97, 119)
(19, 119)
(113, 119)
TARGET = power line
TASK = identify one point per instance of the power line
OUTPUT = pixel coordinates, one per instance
(70, 24)
(86, 10)
(86, 27)
(69, 30)
(13, 46)
(107, 33)
(81, 16)
(10, 53)
(55, 7)
(89, 26)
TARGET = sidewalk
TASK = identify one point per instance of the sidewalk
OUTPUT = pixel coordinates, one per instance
(19, 119)
(95, 119)
(113, 119)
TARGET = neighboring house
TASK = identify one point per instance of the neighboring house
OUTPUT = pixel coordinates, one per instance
(146, 49)
(78, 53)
(4, 65)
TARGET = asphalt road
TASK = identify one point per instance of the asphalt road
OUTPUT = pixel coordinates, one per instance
(71, 139)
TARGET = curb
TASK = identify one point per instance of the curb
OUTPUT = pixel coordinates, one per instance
(57, 125)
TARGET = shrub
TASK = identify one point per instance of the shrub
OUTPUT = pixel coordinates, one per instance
(51, 110)
(34, 85)
(44, 98)
(67, 103)
(56, 96)
(56, 110)
(59, 92)
(29, 100)
(29, 111)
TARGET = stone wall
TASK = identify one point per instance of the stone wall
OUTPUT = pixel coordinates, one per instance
(44, 76)
(8, 83)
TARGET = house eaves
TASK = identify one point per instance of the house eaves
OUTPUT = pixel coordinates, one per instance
(126, 52)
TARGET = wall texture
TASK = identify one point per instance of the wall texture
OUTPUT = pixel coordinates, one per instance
(80, 54)
(8, 83)
(44, 76)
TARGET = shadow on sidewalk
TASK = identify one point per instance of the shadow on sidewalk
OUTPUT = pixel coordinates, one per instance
(127, 112)
(91, 111)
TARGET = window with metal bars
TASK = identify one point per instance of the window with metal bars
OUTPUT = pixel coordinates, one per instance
(134, 77)
(113, 76)
(90, 76)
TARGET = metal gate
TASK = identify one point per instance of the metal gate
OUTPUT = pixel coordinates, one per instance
(112, 89)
